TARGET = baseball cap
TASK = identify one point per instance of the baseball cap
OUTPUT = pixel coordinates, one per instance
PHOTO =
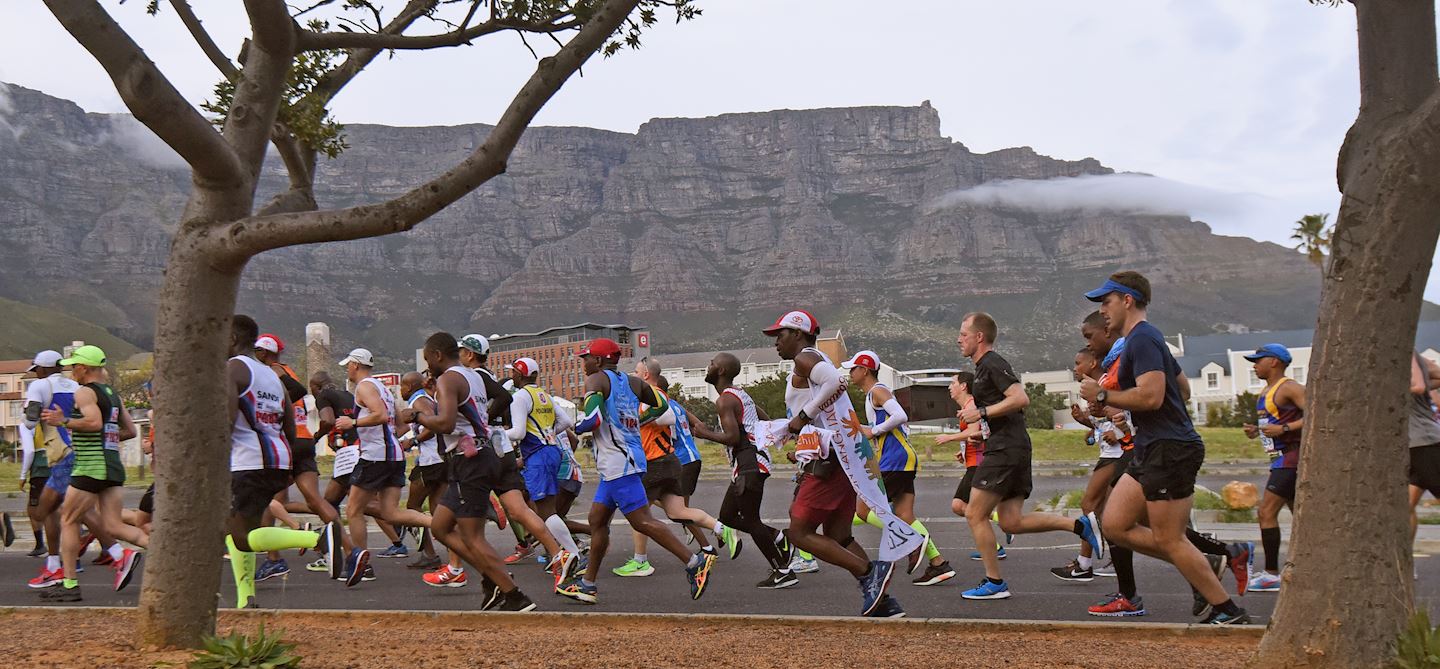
(1276, 351)
(866, 359)
(601, 348)
(90, 356)
(270, 342)
(1110, 286)
(476, 343)
(795, 320)
(361, 356)
(46, 358)
(526, 366)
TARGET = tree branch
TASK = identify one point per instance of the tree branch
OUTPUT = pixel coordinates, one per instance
(203, 39)
(1397, 56)
(248, 237)
(312, 41)
(331, 82)
(250, 123)
(147, 93)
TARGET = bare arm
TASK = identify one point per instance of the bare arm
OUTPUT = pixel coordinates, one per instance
(368, 396)
(127, 425)
(727, 407)
(449, 388)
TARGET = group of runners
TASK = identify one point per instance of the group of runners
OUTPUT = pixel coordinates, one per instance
(495, 447)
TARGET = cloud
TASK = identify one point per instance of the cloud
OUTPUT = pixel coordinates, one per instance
(137, 142)
(1122, 193)
(7, 108)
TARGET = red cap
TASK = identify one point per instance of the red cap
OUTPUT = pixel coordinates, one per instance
(270, 342)
(526, 366)
(866, 359)
(795, 320)
(600, 348)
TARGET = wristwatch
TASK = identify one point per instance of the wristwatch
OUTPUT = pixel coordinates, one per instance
(984, 413)
(804, 416)
(1285, 427)
(1102, 396)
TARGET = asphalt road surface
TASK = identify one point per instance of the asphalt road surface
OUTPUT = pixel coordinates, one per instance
(1037, 594)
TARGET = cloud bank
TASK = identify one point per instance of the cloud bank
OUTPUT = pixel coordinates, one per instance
(1120, 193)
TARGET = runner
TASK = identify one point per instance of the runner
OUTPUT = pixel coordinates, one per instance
(662, 480)
(971, 438)
(52, 444)
(612, 414)
(330, 404)
(380, 473)
(462, 434)
(1424, 430)
(534, 423)
(890, 426)
(1281, 412)
(1002, 482)
(683, 439)
(1148, 510)
(570, 479)
(97, 423)
(35, 463)
(825, 495)
(429, 476)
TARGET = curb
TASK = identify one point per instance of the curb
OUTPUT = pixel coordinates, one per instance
(957, 624)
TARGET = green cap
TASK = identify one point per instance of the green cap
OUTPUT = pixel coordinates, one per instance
(90, 356)
(476, 343)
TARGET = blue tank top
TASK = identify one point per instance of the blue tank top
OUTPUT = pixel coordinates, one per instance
(618, 448)
(684, 441)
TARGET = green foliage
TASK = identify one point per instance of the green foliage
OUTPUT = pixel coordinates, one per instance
(309, 121)
(1419, 645)
(1040, 415)
(1245, 409)
(769, 395)
(264, 651)
(1313, 234)
(701, 409)
(1241, 411)
(130, 384)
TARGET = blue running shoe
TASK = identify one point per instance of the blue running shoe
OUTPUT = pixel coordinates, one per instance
(355, 566)
(1090, 532)
(394, 551)
(888, 608)
(988, 590)
(999, 554)
(1220, 618)
(872, 586)
(270, 569)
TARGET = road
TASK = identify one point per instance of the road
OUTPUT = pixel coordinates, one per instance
(1037, 594)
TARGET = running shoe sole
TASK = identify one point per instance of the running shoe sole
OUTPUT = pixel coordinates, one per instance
(359, 573)
(702, 576)
(7, 529)
(1241, 568)
(648, 570)
(1003, 594)
(129, 563)
(44, 584)
(334, 548)
(937, 580)
(777, 585)
(1119, 614)
(582, 597)
(1099, 546)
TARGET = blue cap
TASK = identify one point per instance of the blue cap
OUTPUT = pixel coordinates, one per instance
(1270, 351)
(1098, 295)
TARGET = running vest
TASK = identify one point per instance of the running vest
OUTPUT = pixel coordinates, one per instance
(681, 437)
(1424, 428)
(749, 422)
(498, 439)
(656, 437)
(896, 453)
(470, 419)
(797, 398)
(97, 454)
(618, 449)
(58, 391)
(1269, 412)
(257, 439)
(539, 423)
(302, 415)
(428, 452)
(377, 442)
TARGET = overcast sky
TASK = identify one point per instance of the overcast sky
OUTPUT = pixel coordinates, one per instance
(1240, 105)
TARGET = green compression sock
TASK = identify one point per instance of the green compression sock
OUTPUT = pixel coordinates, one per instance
(242, 565)
(264, 539)
(931, 552)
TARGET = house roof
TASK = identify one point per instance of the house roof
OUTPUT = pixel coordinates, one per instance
(14, 366)
(578, 326)
(1205, 349)
(701, 359)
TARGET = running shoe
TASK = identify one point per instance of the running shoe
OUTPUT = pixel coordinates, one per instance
(1221, 618)
(1117, 606)
(995, 518)
(306, 526)
(321, 564)
(425, 562)
(699, 575)
(778, 579)
(634, 568)
(47, 579)
(1241, 555)
(126, 567)
(999, 554)
(38, 551)
(368, 574)
(731, 541)
(498, 511)
(888, 608)
(1107, 569)
(270, 569)
(103, 559)
(1073, 572)
(988, 590)
(491, 596)
(935, 574)
(1090, 532)
(787, 549)
(62, 594)
(1264, 582)
(801, 565)
(587, 594)
(85, 540)
(355, 567)
(394, 551)
(333, 547)
(7, 530)
(913, 560)
(516, 602)
(522, 551)
(563, 566)
(444, 578)
(873, 585)
(1200, 608)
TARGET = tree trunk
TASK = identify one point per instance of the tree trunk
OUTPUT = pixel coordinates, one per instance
(192, 473)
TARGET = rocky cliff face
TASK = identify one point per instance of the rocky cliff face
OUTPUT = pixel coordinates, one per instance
(701, 229)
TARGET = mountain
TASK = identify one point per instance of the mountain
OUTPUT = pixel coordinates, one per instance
(701, 229)
(27, 329)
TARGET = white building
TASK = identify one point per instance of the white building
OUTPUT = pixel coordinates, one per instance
(687, 370)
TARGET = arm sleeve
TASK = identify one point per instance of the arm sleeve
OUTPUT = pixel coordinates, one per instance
(590, 415)
(897, 417)
(519, 415)
(825, 379)
(296, 390)
(27, 445)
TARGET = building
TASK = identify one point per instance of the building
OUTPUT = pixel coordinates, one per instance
(14, 377)
(687, 370)
(555, 349)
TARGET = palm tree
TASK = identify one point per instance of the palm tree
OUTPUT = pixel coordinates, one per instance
(1313, 234)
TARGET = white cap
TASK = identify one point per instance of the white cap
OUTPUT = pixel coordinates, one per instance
(526, 366)
(267, 343)
(795, 320)
(477, 344)
(866, 359)
(45, 358)
(361, 356)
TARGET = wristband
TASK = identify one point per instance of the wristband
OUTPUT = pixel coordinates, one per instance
(984, 413)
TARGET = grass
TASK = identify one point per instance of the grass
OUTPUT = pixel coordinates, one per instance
(134, 476)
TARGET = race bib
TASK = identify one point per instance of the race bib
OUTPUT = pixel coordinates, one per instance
(345, 460)
(1265, 441)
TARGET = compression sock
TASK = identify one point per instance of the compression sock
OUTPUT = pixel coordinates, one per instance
(931, 550)
(803, 555)
(1123, 561)
(858, 521)
(280, 538)
(242, 565)
(1207, 545)
(1270, 538)
(557, 527)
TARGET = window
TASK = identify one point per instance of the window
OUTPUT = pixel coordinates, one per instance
(4, 386)
(1212, 380)
(1299, 375)
(1254, 380)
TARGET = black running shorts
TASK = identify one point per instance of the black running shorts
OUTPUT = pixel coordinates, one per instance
(147, 501)
(897, 484)
(1009, 481)
(962, 491)
(689, 478)
(468, 495)
(662, 477)
(376, 475)
(1425, 468)
(251, 491)
(1282, 483)
(302, 456)
(1120, 465)
(1167, 469)
(93, 485)
(509, 477)
(431, 476)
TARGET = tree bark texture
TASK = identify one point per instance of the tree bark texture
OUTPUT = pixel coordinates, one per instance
(1351, 509)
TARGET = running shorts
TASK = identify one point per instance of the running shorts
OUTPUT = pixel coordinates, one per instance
(1008, 480)
(897, 484)
(251, 491)
(430, 476)
(1282, 483)
(817, 500)
(1424, 468)
(344, 481)
(689, 478)
(962, 491)
(626, 493)
(147, 501)
(1120, 465)
(37, 486)
(302, 456)
(93, 485)
(662, 477)
(508, 477)
(541, 468)
(1167, 469)
(468, 495)
(571, 486)
(59, 480)
(376, 475)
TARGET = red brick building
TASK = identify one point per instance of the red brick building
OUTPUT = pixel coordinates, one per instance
(555, 349)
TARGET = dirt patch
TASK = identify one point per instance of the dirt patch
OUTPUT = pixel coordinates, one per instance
(104, 638)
